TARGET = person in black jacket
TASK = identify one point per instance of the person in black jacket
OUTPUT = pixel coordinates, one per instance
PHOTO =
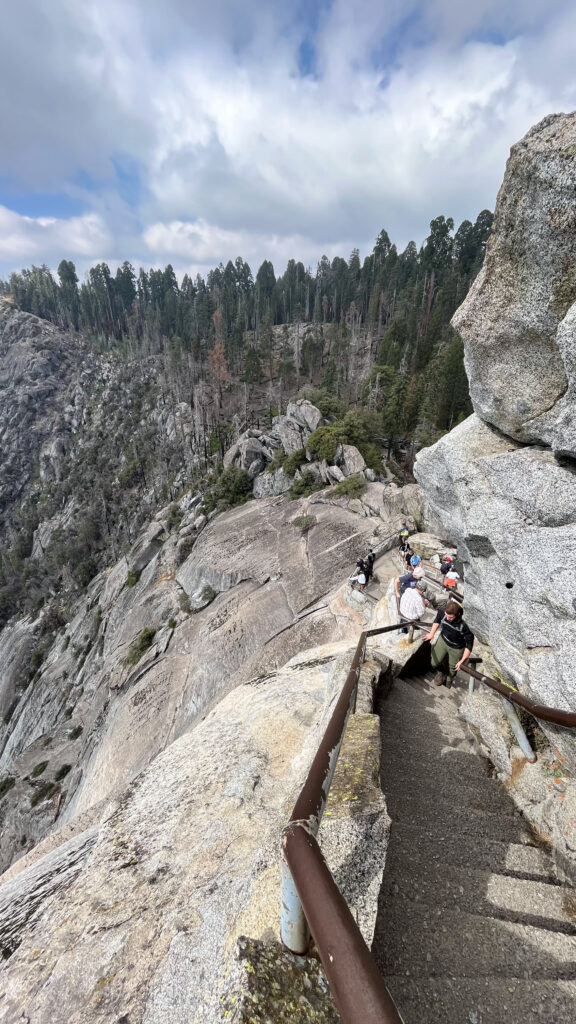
(456, 641)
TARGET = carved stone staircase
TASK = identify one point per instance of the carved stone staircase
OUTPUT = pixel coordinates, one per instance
(472, 926)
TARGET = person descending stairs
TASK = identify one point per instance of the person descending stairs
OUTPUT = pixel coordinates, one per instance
(472, 927)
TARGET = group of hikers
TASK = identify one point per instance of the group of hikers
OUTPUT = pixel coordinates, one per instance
(450, 636)
(364, 570)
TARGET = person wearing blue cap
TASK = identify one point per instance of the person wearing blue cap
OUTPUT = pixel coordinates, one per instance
(415, 560)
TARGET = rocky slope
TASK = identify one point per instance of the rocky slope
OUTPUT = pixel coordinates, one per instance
(134, 668)
(150, 796)
(503, 482)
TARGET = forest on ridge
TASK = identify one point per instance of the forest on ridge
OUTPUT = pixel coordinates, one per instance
(300, 328)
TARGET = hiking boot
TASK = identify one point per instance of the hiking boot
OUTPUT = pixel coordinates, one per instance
(438, 679)
(448, 682)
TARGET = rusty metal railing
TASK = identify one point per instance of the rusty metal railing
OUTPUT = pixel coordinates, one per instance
(311, 900)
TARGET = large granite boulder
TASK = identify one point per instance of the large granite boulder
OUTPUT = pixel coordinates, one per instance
(136, 918)
(518, 321)
(512, 512)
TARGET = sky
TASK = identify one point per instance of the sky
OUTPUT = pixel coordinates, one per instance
(191, 133)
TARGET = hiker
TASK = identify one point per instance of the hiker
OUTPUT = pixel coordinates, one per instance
(409, 579)
(413, 603)
(403, 535)
(451, 579)
(456, 641)
(446, 565)
(360, 577)
(369, 563)
(408, 554)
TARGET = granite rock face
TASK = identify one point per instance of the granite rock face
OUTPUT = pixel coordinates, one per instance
(518, 321)
(511, 510)
(136, 918)
(134, 668)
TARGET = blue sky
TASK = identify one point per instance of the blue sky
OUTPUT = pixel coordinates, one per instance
(193, 133)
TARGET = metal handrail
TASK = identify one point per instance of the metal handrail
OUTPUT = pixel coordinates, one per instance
(310, 896)
(554, 715)
(311, 900)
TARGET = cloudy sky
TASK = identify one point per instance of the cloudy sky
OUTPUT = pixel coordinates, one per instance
(194, 132)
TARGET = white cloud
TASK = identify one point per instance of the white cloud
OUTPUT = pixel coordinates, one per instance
(48, 239)
(409, 112)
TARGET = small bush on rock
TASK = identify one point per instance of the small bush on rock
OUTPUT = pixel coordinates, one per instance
(38, 769)
(174, 518)
(304, 523)
(294, 461)
(307, 484)
(6, 785)
(140, 645)
(352, 487)
(232, 487)
(43, 792)
(132, 577)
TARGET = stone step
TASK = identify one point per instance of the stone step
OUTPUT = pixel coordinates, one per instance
(424, 845)
(490, 1000)
(456, 820)
(407, 756)
(425, 723)
(424, 684)
(419, 940)
(462, 791)
(419, 690)
(420, 707)
(487, 893)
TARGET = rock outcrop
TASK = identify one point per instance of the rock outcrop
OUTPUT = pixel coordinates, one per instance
(137, 917)
(519, 319)
(134, 668)
(511, 506)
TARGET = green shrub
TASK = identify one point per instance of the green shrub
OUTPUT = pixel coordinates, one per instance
(85, 571)
(38, 769)
(307, 484)
(294, 461)
(208, 594)
(184, 549)
(6, 785)
(128, 477)
(43, 792)
(277, 462)
(75, 732)
(132, 578)
(184, 602)
(37, 657)
(304, 523)
(322, 444)
(139, 646)
(174, 518)
(352, 487)
(62, 772)
(171, 623)
(328, 405)
(232, 487)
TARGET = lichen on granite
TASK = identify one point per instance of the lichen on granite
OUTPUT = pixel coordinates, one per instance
(267, 983)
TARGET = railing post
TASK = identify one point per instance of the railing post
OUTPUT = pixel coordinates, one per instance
(471, 684)
(517, 729)
(294, 930)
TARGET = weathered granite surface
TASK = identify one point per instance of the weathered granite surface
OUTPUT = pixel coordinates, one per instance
(519, 318)
(512, 512)
(184, 861)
